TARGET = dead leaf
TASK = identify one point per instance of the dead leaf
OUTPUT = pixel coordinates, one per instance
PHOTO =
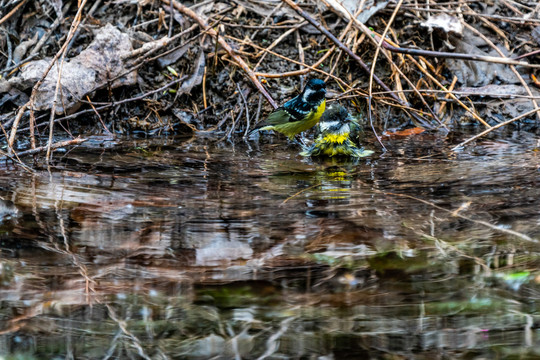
(475, 73)
(346, 8)
(406, 132)
(173, 57)
(81, 75)
(196, 78)
(445, 23)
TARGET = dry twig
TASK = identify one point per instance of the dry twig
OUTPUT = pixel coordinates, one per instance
(487, 131)
(54, 146)
(499, 229)
(372, 71)
(13, 11)
(204, 25)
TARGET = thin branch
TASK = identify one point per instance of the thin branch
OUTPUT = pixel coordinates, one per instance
(247, 108)
(456, 214)
(13, 11)
(458, 56)
(54, 146)
(487, 131)
(204, 25)
(372, 71)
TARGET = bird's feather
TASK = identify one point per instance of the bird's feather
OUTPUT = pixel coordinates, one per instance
(279, 116)
(298, 114)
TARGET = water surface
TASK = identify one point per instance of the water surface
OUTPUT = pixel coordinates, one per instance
(195, 249)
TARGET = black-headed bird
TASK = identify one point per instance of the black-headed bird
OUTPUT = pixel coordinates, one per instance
(300, 113)
(334, 139)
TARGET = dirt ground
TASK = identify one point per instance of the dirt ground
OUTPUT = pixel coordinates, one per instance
(215, 67)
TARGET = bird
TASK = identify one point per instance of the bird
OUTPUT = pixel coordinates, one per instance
(335, 128)
(300, 113)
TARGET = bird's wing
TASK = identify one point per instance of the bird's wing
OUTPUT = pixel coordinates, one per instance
(293, 110)
(356, 129)
(297, 109)
(279, 116)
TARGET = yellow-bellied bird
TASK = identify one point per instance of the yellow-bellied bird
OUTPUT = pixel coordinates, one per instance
(334, 135)
(300, 113)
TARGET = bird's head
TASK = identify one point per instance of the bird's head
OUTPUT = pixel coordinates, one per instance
(315, 91)
(336, 119)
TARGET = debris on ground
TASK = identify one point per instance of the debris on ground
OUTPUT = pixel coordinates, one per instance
(124, 67)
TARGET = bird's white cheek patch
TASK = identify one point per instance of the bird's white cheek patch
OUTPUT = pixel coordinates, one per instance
(326, 125)
(345, 129)
(307, 94)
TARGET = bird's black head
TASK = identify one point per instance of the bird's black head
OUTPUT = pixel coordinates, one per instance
(336, 113)
(335, 119)
(315, 91)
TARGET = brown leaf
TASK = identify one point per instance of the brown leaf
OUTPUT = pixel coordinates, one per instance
(196, 78)
(406, 132)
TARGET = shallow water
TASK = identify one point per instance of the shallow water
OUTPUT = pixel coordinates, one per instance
(178, 249)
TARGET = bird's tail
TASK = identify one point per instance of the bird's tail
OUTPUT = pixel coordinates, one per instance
(254, 134)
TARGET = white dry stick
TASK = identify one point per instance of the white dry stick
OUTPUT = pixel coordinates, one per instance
(272, 343)
(63, 50)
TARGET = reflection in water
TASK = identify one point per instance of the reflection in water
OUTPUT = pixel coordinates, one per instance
(186, 250)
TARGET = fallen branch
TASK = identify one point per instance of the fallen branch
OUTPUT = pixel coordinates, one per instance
(460, 145)
(458, 56)
(108, 105)
(204, 25)
(454, 213)
(340, 45)
(54, 146)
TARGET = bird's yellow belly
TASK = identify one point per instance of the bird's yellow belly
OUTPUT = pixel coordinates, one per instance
(336, 144)
(336, 138)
